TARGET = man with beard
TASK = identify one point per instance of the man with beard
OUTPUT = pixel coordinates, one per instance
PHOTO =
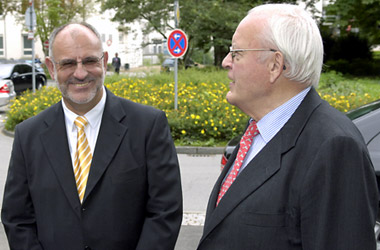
(93, 171)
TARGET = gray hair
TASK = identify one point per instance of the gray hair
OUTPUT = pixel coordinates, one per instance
(55, 32)
(291, 30)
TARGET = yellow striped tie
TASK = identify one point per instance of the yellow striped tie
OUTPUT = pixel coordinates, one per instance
(83, 157)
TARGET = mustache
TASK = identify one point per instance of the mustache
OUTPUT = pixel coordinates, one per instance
(73, 80)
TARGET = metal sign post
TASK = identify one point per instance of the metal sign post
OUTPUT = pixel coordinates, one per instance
(30, 21)
(177, 46)
(176, 18)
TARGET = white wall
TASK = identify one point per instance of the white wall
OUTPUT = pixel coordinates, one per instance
(128, 48)
(13, 40)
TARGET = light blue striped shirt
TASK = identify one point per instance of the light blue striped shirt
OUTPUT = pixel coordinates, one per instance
(271, 123)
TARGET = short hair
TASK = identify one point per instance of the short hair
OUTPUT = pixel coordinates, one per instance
(55, 32)
(291, 30)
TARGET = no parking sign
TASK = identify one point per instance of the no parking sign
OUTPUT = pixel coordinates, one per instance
(177, 43)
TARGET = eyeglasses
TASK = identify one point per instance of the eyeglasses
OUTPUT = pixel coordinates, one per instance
(89, 63)
(234, 51)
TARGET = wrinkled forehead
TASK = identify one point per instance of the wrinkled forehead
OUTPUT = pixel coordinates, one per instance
(76, 39)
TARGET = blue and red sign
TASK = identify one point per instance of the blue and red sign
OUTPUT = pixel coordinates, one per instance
(177, 43)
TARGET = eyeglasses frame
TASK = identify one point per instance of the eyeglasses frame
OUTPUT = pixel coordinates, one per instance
(232, 50)
(60, 62)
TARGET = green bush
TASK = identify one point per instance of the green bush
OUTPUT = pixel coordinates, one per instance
(355, 67)
(203, 116)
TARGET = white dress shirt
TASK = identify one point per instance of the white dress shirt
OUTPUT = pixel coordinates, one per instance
(271, 123)
(94, 118)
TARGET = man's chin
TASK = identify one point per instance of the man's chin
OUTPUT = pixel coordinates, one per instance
(230, 98)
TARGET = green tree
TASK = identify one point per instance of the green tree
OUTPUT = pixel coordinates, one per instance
(50, 13)
(208, 23)
(8, 6)
(362, 14)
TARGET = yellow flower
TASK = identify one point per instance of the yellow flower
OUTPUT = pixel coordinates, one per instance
(183, 132)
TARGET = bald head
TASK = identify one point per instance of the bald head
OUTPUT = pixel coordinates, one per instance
(74, 30)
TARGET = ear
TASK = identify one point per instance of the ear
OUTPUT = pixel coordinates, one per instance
(276, 66)
(50, 65)
(105, 60)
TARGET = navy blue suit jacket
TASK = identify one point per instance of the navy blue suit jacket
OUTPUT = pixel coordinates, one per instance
(133, 198)
(312, 187)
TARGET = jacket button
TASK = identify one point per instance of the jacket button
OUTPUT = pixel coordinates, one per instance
(87, 248)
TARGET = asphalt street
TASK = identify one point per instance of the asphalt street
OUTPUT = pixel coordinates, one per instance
(198, 172)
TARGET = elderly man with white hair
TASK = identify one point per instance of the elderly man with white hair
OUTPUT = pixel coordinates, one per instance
(302, 177)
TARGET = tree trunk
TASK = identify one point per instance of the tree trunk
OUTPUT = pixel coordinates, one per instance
(219, 53)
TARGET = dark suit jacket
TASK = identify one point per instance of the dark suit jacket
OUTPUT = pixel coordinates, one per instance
(133, 198)
(312, 187)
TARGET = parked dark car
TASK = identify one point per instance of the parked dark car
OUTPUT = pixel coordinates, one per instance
(367, 119)
(168, 64)
(21, 76)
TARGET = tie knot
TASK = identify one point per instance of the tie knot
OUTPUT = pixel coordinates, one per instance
(251, 131)
(81, 122)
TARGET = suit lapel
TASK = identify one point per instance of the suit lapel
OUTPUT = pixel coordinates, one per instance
(261, 168)
(54, 141)
(111, 133)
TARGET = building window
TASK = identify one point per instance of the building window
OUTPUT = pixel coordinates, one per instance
(110, 38)
(121, 38)
(27, 45)
(103, 38)
(1, 46)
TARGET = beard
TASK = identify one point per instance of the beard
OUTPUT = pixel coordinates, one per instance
(82, 98)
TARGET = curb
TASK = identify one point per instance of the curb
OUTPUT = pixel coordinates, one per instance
(180, 149)
(8, 133)
(199, 150)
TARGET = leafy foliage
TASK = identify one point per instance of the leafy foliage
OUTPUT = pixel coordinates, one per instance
(208, 23)
(50, 13)
(203, 116)
(362, 14)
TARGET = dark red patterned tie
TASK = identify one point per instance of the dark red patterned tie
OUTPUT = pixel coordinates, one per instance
(245, 144)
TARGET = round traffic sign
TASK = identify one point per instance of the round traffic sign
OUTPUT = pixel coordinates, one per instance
(177, 43)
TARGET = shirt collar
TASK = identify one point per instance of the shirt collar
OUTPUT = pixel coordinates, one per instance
(272, 122)
(93, 116)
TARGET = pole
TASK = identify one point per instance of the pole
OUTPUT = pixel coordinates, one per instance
(176, 9)
(31, 29)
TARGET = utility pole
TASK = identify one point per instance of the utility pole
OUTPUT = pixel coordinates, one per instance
(176, 19)
(30, 21)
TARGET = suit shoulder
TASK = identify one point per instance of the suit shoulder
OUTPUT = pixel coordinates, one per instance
(334, 122)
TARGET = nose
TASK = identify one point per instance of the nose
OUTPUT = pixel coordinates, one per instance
(227, 61)
(80, 71)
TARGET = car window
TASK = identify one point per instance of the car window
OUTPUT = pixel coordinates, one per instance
(25, 69)
(17, 69)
